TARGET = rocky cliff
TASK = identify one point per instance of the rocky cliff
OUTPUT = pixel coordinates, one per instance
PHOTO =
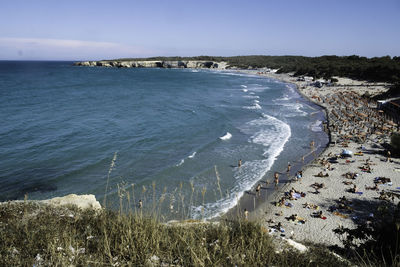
(80, 201)
(155, 64)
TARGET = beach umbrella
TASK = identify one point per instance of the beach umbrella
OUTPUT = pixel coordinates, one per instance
(346, 153)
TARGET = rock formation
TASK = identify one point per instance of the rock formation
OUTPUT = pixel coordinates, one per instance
(193, 64)
(81, 201)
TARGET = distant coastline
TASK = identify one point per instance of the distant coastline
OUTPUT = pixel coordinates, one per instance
(376, 69)
(197, 64)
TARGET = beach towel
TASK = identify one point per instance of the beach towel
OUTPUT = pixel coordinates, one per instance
(340, 214)
(288, 204)
(297, 195)
(360, 193)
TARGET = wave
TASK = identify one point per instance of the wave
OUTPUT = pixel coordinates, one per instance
(180, 163)
(183, 160)
(245, 90)
(244, 86)
(294, 109)
(238, 74)
(284, 98)
(254, 106)
(251, 96)
(258, 88)
(316, 126)
(227, 136)
(267, 131)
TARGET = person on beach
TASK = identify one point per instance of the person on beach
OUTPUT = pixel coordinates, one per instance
(246, 214)
(140, 204)
(258, 188)
(240, 163)
(354, 189)
(288, 168)
(320, 214)
(276, 179)
(388, 155)
(298, 175)
(312, 144)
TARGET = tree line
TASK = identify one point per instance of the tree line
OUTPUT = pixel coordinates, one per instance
(376, 69)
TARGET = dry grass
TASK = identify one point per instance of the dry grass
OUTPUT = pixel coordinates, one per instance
(32, 234)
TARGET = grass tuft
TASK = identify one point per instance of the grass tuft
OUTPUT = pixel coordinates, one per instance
(33, 234)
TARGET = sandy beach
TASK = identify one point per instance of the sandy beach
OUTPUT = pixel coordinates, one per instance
(348, 192)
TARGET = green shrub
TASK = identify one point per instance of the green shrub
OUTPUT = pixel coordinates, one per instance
(395, 141)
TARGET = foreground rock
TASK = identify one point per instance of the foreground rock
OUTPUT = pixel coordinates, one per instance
(80, 201)
(192, 64)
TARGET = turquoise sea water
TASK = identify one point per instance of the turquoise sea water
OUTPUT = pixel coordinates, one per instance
(172, 129)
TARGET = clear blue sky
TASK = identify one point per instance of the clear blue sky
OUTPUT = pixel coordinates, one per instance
(80, 30)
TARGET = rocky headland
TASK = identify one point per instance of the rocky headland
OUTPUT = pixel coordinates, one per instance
(192, 64)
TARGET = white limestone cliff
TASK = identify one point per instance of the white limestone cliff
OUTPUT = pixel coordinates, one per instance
(194, 64)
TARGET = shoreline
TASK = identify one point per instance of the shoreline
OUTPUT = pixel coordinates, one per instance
(249, 201)
(349, 129)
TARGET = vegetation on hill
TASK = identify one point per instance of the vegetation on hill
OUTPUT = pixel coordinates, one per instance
(376, 242)
(33, 235)
(395, 142)
(377, 69)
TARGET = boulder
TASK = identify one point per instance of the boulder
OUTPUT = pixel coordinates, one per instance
(81, 201)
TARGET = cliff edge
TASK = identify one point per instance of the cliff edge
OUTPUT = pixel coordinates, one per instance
(192, 64)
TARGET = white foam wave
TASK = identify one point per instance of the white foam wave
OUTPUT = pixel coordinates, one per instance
(294, 109)
(180, 163)
(258, 89)
(316, 126)
(192, 155)
(235, 74)
(254, 106)
(291, 87)
(284, 98)
(244, 86)
(227, 136)
(245, 90)
(251, 96)
(266, 131)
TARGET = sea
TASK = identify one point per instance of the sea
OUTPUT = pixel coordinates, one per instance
(169, 138)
